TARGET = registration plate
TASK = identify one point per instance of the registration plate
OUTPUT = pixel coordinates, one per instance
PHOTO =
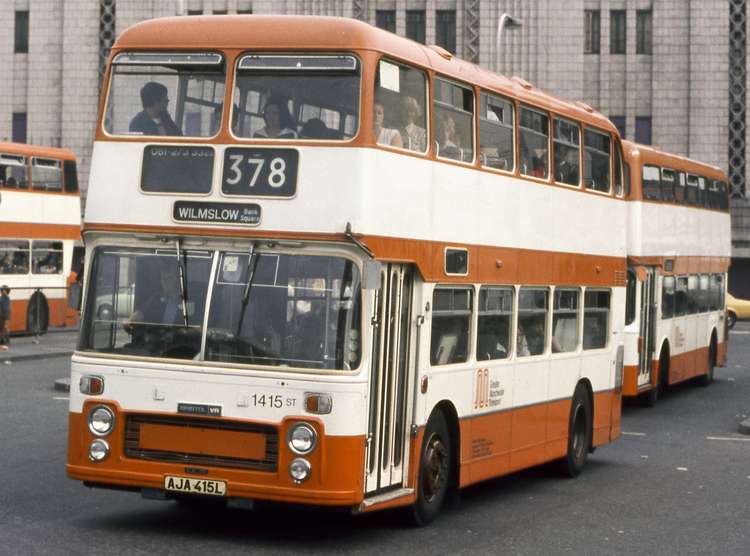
(195, 486)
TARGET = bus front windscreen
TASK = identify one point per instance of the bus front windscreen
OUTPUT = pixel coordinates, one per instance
(285, 96)
(264, 309)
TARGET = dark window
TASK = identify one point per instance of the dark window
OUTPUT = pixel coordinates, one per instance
(651, 183)
(565, 320)
(22, 32)
(386, 19)
(667, 297)
(454, 117)
(496, 132)
(451, 320)
(595, 318)
(494, 323)
(630, 298)
(415, 25)
(567, 143)
(704, 300)
(619, 122)
(70, 175)
(246, 11)
(643, 130)
(692, 295)
(618, 170)
(531, 335)
(644, 33)
(617, 32)
(693, 193)
(195, 12)
(681, 294)
(533, 136)
(626, 168)
(679, 189)
(591, 21)
(445, 29)
(220, 12)
(19, 127)
(667, 185)
(596, 150)
(457, 261)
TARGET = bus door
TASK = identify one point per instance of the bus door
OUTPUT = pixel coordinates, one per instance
(647, 276)
(389, 379)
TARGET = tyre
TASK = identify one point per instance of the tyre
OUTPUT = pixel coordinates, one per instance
(579, 434)
(435, 471)
(37, 314)
(652, 396)
(708, 378)
(731, 319)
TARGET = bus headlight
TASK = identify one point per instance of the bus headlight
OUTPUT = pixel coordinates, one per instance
(302, 438)
(299, 470)
(101, 420)
(98, 450)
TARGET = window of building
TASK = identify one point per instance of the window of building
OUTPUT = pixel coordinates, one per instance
(18, 131)
(195, 12)
(445, 29)
(244, 11)
(451, 322)
(565, 319)
(592, 24)
(596, 160)
(533, 137)
(619, 122)
(667, 184)
(567, 144)
(667, 297)
(415, 25)
(494, 323)
(21, 44)
(496, 132)
(531, 334)
(386, 19)
(454, 117)
(219, 12)
(596, 318)
(681, 294)
(643, 32)
(643, 130)
(617, 32)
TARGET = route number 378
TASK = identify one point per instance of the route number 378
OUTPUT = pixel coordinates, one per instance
(260, 172)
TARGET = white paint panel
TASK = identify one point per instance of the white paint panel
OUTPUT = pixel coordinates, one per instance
(39, 208)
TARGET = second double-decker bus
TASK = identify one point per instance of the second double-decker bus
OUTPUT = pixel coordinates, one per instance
(354, 270)
(679, 248)
(40, 224)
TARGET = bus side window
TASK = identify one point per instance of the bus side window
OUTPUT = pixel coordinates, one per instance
(451, 322)
(667, 297)
(531, 332)
(533, 135)
(596, 319)
(565, 319)
(494, 323)
(454, 121)
(402, 93)
(567, 143)
(496, 118)
(596, 155)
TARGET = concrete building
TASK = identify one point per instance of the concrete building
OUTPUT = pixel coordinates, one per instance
(668, 72)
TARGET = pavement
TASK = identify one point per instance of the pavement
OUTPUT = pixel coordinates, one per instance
(57, 342)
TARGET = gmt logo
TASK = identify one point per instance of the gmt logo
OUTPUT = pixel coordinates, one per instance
(199, 409)
(216, 213)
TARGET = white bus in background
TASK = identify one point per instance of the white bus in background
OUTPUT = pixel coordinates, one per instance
(40, 225)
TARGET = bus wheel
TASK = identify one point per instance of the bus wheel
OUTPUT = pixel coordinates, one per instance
(37, 314)
(731, 319)
(652, 396)
(708, 378)
(579, 434)
(435, 470)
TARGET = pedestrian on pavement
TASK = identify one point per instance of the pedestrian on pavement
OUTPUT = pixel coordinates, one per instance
(4, 318)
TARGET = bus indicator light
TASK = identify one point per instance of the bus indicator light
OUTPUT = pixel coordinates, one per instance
(320, 404)
(91, 385)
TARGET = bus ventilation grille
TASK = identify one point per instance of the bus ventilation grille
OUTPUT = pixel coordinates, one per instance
(207, 452)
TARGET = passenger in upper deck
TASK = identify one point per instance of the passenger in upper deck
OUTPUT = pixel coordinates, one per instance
(415, 136)
(154, 119)
(279, 122)
(448, 146)
(384, 135)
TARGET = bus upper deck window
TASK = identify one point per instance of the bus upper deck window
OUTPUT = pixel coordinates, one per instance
(596, 158)
(567, 145)
(400, 118)
(285, 96)
(13, 171)
(454, 121)
(496, 119)
(166, 94)
(533, 135)
(46, 174)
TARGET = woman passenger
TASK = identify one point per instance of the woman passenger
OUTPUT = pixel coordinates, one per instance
(384, 135)
(279, 122)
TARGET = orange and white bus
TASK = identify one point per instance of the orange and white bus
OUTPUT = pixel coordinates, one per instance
(354, 270)
(679, 248)
(40, 223)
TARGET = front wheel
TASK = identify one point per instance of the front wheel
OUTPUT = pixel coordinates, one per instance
(731, 319)
(579, 434)
(435, 471)
(708, 378)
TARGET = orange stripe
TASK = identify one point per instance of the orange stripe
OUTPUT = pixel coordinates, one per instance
(26, 230)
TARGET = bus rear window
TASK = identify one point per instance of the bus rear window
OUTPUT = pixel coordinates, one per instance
(13, 171)
(46, 174)
(279, 97)
(162, 94)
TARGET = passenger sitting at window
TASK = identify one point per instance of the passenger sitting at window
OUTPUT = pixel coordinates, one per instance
(447, 141)
(279, 122)
(538, 170)
(154, 119)
(6, 265)
(415, 136)
(314, 128)
(384, 135)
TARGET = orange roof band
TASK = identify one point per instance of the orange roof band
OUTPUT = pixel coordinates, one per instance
(35, 150)
(311, 33)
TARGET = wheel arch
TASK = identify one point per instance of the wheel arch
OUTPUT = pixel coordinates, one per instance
(37, 299)
(585, 383)
(450, 414)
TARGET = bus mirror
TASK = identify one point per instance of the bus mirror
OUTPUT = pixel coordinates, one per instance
(74, 296)
(371, 275)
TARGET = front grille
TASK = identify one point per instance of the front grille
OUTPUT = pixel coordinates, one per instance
(211, 452)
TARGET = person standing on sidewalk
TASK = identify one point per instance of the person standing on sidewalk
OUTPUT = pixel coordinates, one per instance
(4, 317)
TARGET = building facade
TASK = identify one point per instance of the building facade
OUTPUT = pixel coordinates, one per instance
(671, 73)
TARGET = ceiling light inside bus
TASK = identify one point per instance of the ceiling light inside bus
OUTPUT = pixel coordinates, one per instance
(99, 450)
(101, 420)
(302, 438)
(299, 470)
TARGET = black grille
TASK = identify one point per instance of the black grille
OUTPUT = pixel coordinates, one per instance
(133, 448)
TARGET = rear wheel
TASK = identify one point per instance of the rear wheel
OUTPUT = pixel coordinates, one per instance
(708, 378)
(37, 314)
(731, 319)
(579, 434)
(435, 471)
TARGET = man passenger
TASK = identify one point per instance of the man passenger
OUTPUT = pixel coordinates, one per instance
(154, 119)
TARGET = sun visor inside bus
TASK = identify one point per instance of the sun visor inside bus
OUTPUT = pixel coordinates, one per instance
(169, 59)
(298, 63)
(177, 169)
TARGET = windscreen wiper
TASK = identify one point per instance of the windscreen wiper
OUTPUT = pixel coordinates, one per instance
(182, 268)
(252, 265)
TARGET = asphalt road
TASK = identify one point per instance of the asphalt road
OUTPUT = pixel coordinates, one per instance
(678, 482)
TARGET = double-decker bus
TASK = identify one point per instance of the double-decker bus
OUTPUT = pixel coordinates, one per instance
(353, 270)
(679, 248)
(40, 223)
